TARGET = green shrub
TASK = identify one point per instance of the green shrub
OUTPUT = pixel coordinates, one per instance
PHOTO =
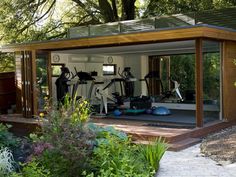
(116, 157)
(103, 132)
(154, 152)
(72, 142)
(32, 169)
(69, 146)
(7, 139)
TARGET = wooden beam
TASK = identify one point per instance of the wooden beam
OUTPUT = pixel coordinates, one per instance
(199, 82)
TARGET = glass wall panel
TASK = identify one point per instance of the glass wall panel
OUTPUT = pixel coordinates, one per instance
(177, 75)
(211, 80)
(42, 79)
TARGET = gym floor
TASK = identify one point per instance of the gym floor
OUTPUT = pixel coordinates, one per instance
(177, 117)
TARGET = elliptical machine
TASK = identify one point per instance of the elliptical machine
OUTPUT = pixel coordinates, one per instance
(163, 94)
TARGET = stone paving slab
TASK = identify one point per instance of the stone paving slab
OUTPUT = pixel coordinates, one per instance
(191, 163)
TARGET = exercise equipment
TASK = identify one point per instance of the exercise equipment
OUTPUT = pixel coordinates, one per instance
(140, 102)
(77, 79)
(175, 92)
(161, 111)
(154, 75)
(101, 93)
(134, 111)
(148, 111)
(117, 112)
(103, 97)
(125, 81)
(113, 81)
(128, 81)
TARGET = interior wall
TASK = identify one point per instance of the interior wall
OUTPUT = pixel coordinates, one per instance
(138, 64)
(87, 64)
(119, 61)
(134, 61)
(229, 80)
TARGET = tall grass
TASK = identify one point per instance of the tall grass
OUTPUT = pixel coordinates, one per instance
(153, 152)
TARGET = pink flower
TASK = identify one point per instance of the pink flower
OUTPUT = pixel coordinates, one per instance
(39, 148)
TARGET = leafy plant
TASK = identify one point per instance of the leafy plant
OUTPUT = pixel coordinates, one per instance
(72, 111)
(71, 142)
(103, 132)
(6, 162)
(154, 152)
(32, 169)
(117, 157)
(7, 139)
(34, 137)
(38, 149)
(69, 146)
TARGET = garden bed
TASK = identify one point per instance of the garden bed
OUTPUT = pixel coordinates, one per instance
(221, 146)
(69, 146)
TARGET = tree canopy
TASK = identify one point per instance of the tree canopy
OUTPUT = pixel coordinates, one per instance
(28, 20)
(46, 19)
(163, 7)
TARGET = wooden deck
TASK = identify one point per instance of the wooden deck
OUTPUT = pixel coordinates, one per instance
(178, 138)
(20, 126)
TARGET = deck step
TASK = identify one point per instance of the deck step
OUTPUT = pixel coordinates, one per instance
(146, 136)
(183, 144)
(175, 146)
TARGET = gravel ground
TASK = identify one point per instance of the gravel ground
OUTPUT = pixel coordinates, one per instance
(221, 146)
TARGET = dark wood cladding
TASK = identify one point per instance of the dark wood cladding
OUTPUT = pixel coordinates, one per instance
(229, 80)
(7, 91)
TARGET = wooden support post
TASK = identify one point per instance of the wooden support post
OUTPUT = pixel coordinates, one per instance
(199, 82)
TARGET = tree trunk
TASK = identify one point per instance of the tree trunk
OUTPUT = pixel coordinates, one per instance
(128, 9)
(109, 14)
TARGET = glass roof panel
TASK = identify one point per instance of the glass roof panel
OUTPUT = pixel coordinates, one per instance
(220, 18)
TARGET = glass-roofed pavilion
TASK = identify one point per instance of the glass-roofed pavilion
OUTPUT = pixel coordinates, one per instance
(197, 49)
